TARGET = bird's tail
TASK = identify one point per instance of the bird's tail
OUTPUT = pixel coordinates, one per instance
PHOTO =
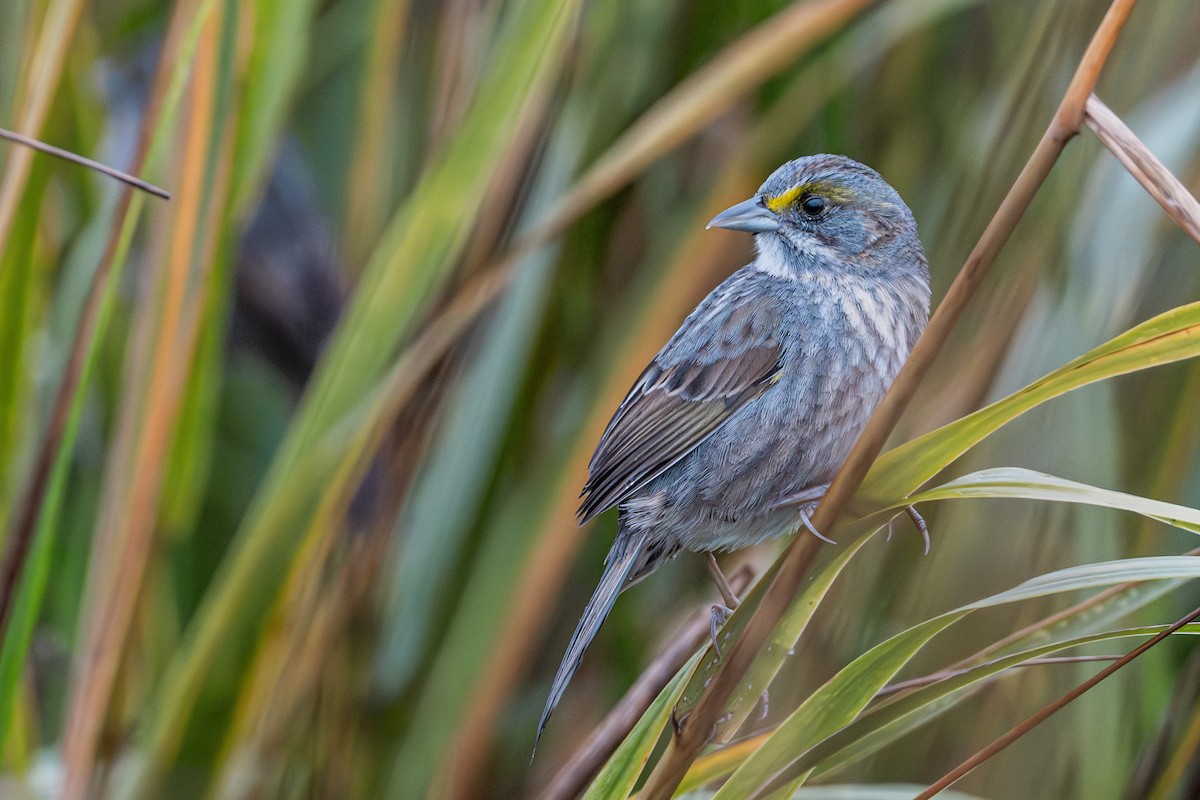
(620, 561)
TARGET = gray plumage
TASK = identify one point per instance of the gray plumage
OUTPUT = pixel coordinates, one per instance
(766, 385)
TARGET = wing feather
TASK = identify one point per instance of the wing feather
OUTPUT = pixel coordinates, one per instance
(723, 357)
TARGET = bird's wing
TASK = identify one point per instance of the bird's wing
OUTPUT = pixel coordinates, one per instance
(725, 355)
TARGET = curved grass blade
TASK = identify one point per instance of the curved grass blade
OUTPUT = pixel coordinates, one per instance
(30, 593)
(778, 648)
(1169, 337)
(1027, 484)
(888, 722)
(840, 700)
(620, 773)
(832, 707)
(996, 483)
(1090, 619)
(1002, 482)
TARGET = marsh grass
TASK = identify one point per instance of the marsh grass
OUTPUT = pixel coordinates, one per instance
(287, 518)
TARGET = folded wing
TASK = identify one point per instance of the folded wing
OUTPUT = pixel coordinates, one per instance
(724, 356)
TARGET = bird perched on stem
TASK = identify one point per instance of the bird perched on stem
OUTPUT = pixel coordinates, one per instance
(735, 429)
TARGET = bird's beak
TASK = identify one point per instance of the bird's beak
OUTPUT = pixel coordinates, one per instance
(751, 216)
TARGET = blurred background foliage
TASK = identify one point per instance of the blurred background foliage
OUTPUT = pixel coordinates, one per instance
(297, 453)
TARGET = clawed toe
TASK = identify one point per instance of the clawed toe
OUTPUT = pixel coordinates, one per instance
(919, 522)
(720, 614)
(804, 518)
(806, 501)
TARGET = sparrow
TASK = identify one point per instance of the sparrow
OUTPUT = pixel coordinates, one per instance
(735, 429)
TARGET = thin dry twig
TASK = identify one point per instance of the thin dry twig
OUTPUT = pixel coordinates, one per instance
(595, 750)
(1017, 731)
(1142, 164)
(694, 734)
(75, 158)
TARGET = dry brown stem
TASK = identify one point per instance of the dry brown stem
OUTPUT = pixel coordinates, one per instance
(1017, 731)
(1164, 187)
(75, 158)
(575, 774)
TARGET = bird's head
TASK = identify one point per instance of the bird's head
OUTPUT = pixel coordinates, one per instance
(830, 208)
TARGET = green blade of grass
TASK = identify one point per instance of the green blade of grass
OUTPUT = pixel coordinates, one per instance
(276, 64)
(1009, 483)
(996, 483)
(775, 654)
(47, 63)
(620, 774)
(1026, 484)
(27, 602)
(414, 258)
(19, 287)
(839, 701)
(831, 707)
(880, 727)
(1172, 336)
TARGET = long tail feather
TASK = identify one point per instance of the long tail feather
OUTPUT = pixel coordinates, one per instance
(621, 559)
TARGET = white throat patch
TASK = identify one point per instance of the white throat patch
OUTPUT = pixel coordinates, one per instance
(771, 257)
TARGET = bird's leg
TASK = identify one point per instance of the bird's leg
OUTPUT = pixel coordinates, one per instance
(731, 599)
(720, 613)
(810, 496)
(919, 522)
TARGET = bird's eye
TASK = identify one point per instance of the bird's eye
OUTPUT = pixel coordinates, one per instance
(813, 206)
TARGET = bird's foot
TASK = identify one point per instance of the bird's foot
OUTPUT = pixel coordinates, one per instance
(806, 501)
(806, 519)
(720, 614)
(809, 497)
(919, 522)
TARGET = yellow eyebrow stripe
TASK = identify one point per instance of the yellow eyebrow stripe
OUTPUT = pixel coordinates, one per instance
(838, 194)
(781, 201)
